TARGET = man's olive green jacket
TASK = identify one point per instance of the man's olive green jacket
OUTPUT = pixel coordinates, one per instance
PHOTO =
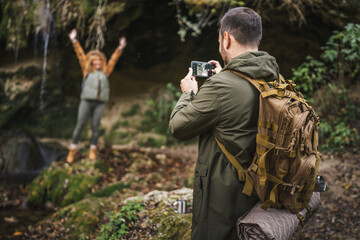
(226, 107)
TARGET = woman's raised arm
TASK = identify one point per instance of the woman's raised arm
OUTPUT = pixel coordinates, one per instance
(78, 50)
(115, 56)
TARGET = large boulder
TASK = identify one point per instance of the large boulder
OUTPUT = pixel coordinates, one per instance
(20, 152)
(22, 156)
(63, 184)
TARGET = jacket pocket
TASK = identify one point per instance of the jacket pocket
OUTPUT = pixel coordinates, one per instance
(199, 188)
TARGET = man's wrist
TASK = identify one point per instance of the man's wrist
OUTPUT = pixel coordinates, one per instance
(191, 92)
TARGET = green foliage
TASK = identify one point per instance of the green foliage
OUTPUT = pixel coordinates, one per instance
(121, 222)
(194, 15)
(158, 115)
(151, 129)
(331, 84)
(135, 109)
(200, 14)
(342, 55)
(21, 18)
(341, 116)
(309, 76)
(338, 135)
(16, 19)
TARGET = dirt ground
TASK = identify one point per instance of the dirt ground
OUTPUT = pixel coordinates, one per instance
(339, 215)
(337, 218)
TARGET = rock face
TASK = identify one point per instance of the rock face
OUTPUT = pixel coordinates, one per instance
(18, 91)
(20, 152)
(22, 156)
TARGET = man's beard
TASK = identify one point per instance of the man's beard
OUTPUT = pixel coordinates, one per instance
(223, 54)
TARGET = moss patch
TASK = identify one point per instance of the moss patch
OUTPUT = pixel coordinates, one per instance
(109, 190)
(63, 185)
(170, 225)
(82, 217)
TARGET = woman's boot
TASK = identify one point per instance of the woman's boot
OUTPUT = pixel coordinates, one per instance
(71, 155)
(72, 152)
(92, 153)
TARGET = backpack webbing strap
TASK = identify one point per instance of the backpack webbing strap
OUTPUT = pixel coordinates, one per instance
(263, 142)
(268, 125)
(304, 219)
(301, 218)
(315, 146)
(262, 160)
(271, 202)
(242, 174)
(284, 93)
(262, 168)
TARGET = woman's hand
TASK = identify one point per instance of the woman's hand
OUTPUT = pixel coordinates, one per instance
(122, 43)
(72, 35)
(217, 68)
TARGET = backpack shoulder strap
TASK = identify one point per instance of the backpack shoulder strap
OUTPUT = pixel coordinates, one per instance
(260, 84)
(242, 173)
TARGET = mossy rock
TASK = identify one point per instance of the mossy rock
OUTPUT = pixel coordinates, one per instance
(160, 218)
(82, 217)
(170, 225)
(66, 184)
(110, 189)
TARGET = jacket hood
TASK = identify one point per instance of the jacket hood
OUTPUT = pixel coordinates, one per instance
(257, 65)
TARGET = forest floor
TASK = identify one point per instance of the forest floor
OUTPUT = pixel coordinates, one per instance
(337, 218)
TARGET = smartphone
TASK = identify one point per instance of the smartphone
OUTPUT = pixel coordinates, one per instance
(202, 69)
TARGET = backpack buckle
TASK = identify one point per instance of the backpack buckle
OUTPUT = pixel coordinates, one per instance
(287, 93)
(241, 176)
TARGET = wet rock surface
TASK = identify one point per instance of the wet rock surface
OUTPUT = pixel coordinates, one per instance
(21, 152)
(23, 156)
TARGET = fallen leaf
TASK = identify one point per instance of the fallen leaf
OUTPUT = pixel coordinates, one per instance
(17, 233)
(11, 220)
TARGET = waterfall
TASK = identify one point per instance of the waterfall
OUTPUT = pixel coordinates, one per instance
(45, 27)
(43, 77)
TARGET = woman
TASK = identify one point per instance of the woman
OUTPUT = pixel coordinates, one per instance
(94, 91)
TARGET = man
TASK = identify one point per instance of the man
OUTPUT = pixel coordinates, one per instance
(225, 107)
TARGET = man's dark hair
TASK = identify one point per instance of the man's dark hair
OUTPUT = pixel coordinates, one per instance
(244, 24)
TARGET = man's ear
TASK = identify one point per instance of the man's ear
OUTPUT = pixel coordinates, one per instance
(227, 40)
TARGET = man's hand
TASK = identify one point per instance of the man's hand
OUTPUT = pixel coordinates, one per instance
(188, 83)
(72, 35)
(122, 43)
(217, 68)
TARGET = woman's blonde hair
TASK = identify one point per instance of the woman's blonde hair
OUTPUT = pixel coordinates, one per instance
(90, 56)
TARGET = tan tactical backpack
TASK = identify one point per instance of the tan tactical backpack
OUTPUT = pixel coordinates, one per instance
(286, 162)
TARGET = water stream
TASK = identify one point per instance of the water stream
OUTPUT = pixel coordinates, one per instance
(45, 27)
(43, 78)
